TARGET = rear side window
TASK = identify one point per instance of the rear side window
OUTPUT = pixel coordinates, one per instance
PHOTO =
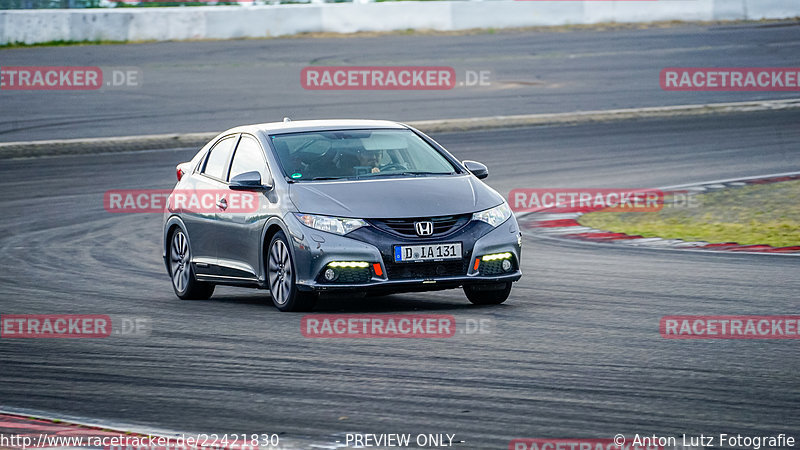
(248, 158)
(217, 162)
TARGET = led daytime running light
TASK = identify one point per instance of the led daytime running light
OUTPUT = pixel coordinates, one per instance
(352, 264)
(496, 256)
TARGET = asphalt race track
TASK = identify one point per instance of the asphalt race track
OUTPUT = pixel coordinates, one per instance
(212, 86)
(575, 352)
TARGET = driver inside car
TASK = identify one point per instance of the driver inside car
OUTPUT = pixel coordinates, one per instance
(370, 159)
(361, 161)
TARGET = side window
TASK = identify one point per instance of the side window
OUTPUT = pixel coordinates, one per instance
(217, 161)
(248, 158)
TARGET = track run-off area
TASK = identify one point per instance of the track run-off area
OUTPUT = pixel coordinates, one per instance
(574, 353)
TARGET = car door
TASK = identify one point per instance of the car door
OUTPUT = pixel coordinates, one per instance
(239, 239)
(200, 217)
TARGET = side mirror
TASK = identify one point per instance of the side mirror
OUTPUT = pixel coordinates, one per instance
(248, 181)
(477, 169)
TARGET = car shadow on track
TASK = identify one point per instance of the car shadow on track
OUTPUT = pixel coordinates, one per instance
(391, 304)
(395, 303)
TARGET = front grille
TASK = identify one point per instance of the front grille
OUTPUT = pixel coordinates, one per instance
(405, 271)
(442, 225)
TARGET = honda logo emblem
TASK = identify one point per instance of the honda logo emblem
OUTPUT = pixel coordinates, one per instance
(424, 228)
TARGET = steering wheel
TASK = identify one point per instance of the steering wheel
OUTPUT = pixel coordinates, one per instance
(395, 166)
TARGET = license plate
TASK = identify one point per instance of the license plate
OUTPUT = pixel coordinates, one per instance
(427, 252)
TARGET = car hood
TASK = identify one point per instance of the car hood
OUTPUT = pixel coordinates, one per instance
(394, 197)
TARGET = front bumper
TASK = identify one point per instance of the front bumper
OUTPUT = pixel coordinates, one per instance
(314, 250)
(410, 285)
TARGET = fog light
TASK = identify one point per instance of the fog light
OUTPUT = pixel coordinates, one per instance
(329, 274)
(506, 265)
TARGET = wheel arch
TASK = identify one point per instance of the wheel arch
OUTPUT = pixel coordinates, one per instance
(173, 223)
(272, 227)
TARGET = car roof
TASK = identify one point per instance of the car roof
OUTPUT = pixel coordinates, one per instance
(315, 125)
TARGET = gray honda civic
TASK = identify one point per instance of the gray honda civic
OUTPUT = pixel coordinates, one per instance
(308, 209)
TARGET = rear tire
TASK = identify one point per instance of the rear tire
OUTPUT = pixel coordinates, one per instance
(281, 278)
(184, 282)
(488, 294)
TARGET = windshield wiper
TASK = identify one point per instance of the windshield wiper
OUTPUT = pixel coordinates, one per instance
(408, 173)
(380, 174)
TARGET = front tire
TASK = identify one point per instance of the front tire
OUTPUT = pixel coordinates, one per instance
(282, 280)
(488, 294)
(184, 283)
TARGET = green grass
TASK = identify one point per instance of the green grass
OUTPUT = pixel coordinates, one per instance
(754, 214)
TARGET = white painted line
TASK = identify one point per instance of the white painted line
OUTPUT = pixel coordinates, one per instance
(565, 230)
(170, 141)
(691, 244)
(551, 216)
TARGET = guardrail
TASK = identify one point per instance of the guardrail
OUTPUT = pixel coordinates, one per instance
(230, 22)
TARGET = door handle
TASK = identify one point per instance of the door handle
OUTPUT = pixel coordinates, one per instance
(222, 203)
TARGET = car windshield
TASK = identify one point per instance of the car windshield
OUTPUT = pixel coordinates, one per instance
(350, 154)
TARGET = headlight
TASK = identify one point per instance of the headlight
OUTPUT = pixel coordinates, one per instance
(336, 225)
(494, 216)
